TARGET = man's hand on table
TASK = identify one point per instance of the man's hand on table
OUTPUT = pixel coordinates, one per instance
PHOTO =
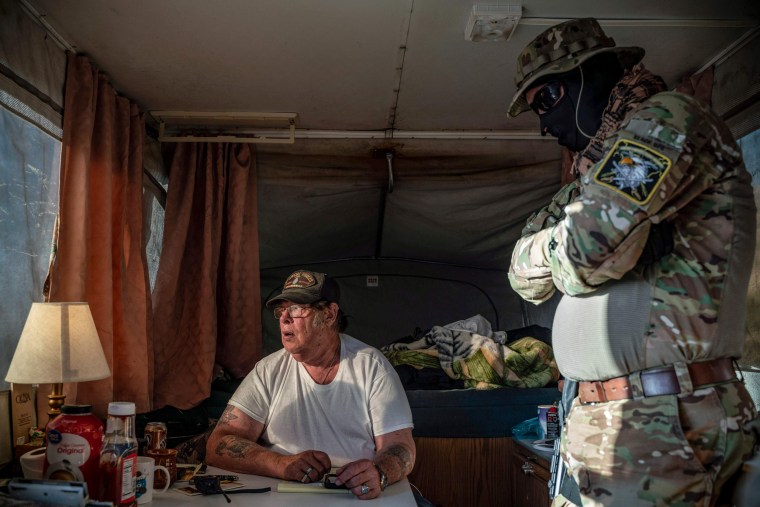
(360, 476)
(306, 466)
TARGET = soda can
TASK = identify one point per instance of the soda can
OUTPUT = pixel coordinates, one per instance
(155, 435)
(552, 423)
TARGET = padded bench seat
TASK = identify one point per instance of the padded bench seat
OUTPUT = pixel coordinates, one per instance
(475, 413)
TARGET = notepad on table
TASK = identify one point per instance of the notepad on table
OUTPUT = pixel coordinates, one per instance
(310, 487)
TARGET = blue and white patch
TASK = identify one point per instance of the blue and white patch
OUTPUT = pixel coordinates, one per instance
(633, 170)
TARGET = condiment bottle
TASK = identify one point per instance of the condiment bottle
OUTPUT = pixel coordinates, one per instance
(118, 457)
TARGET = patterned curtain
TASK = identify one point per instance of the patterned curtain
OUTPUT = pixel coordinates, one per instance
(206, 300)
(100, 252)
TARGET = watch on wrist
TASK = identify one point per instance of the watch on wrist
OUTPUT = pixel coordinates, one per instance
(383, 477)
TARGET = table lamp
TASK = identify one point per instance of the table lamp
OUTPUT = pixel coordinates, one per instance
(59, 344)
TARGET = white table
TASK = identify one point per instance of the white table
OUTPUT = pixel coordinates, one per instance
(395, 495)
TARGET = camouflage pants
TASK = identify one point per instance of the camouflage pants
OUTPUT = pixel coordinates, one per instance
(664, 450)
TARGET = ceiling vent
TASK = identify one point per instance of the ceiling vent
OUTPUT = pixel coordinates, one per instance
(187, 126)
(492, 23)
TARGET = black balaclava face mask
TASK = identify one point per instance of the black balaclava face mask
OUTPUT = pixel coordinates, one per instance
(578, 114)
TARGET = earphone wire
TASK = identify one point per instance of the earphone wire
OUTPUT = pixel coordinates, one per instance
(578, 104)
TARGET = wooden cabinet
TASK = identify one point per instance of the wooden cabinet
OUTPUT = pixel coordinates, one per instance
(463, 472)
(481, 472)
(529, 475)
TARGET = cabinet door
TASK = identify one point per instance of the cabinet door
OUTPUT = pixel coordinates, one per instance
(463, 472)
(530, 478)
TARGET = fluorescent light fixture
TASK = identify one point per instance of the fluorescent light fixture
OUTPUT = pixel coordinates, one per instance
(492, 23)
(240, 127)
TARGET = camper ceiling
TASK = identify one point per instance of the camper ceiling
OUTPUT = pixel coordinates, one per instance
(349, 68)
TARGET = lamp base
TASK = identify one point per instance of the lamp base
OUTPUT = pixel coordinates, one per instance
(55, 401)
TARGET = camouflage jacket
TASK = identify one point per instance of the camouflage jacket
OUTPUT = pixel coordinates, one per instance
(671, 159)
(554, 211)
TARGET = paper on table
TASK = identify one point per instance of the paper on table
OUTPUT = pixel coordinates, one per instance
(311, 487)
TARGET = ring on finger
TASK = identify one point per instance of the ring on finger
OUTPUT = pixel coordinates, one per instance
(365, 489)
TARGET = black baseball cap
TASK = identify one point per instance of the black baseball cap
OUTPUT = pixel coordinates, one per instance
(306, 287)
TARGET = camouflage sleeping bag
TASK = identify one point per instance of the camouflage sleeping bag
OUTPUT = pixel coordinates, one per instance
(479, 361)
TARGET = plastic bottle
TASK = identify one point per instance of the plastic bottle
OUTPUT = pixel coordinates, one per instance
(118, 457)
(74, 441)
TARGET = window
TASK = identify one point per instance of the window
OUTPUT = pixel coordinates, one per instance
(29, 171)
(155, 186)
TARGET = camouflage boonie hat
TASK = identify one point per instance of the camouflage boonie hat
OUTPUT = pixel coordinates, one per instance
(562, 48)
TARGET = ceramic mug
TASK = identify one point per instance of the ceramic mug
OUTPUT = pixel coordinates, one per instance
(166, 458)
(145, 477)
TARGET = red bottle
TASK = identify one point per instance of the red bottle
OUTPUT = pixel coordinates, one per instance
(74, 440)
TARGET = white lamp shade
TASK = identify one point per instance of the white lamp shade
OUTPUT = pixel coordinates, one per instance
(59, 344)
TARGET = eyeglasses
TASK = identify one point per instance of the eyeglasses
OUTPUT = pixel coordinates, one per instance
(547, 97)
(294, 311)
(212, 485)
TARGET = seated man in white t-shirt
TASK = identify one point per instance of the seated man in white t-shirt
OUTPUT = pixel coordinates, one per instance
(325, 400)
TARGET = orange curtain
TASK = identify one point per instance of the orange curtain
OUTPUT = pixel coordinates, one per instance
(206, 300)
(100, 255)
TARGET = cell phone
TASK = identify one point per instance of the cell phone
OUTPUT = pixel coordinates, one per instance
(329, 482)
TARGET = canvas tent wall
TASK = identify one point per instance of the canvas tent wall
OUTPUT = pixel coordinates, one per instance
(436, 231)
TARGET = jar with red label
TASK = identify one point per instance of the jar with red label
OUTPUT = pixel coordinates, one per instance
(74, 440)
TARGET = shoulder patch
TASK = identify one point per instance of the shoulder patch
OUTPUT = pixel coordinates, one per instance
(633, 170)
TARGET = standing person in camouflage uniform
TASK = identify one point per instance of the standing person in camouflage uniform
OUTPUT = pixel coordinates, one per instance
(652, 247)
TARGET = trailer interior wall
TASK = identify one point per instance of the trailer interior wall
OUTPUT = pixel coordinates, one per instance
(32, 65)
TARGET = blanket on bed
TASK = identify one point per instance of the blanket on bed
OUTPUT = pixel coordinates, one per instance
(479, 361)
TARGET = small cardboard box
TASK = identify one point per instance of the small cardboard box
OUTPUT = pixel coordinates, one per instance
(23, 412)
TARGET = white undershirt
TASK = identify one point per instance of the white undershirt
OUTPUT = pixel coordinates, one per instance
(342, 418)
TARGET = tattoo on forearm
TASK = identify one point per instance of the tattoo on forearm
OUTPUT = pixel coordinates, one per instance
(401, 455)
(232, 446)
(227, 416)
